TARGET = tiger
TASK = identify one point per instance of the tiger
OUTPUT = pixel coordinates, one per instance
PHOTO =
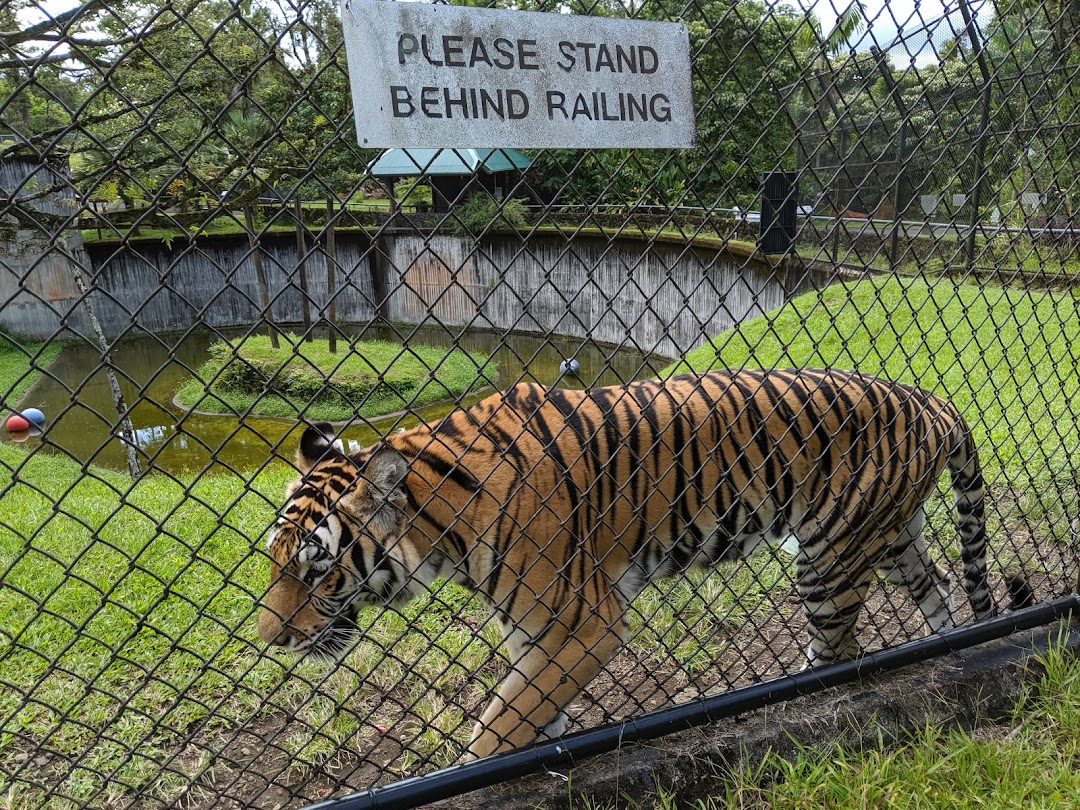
(559, 506)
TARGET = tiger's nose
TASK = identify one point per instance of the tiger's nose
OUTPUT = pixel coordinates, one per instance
(272, 629)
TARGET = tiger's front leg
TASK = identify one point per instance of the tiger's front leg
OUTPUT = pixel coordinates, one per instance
(545, 675)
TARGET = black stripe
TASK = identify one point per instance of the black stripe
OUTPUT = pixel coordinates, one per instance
(630, 412)
(447, 471)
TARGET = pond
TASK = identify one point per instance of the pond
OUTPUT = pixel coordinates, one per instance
(75, 397)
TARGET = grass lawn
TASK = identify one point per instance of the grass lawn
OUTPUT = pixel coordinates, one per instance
(124, 612)
(366, 378)
(1017, 259)
(127, 633)
(20, 363)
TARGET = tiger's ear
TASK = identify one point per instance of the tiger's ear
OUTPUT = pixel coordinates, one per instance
(385, 473)
(317, 444)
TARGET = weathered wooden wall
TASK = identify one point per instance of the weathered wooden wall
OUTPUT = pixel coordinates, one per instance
(37, 288)
(147, 286)
(662, 298)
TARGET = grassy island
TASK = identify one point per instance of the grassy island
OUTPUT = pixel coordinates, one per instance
(367, 378)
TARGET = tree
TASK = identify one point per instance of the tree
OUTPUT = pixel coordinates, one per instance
(168, 106)
(741, 60)
(51, 63)
(1034, 52)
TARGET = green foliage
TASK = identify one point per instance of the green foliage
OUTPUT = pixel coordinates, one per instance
(369, 378)
(482, 213)
(224, 97)
(413, 193)
(848, 118)
(212, 97)
(742, 58)
(743, 61)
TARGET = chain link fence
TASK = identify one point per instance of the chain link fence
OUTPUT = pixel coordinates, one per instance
(198, 261)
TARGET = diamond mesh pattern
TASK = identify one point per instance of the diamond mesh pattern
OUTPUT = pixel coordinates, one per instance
(197, 262)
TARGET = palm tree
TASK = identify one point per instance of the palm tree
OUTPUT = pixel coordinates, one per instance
(813, 49)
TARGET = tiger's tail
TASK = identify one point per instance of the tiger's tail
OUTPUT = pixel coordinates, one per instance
(969, 493)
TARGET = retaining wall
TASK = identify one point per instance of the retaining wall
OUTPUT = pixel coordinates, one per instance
(662, 297)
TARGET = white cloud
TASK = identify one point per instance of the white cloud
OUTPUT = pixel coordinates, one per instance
(912, 31)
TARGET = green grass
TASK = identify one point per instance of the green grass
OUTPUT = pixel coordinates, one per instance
(306, 378)
(127, 624)
(230, 223)
(221, 226)
(113, 597)
(1006, 357)
(1032, 761)
(1017, 260)
(20, 362)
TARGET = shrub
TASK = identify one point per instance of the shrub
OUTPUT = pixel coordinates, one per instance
(482, 212)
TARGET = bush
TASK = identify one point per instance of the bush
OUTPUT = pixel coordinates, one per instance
(483, 213)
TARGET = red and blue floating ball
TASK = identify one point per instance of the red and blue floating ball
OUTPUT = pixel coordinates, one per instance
(21, 425)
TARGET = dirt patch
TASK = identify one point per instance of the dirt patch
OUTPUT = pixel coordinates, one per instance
(971, 689)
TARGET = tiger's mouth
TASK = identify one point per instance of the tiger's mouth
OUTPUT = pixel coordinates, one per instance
(332, 643)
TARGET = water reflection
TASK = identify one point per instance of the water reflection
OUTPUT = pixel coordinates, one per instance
(76, 398)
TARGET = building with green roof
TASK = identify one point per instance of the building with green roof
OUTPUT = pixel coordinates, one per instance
(453, 174)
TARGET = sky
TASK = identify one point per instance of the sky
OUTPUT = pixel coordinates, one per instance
(889, 19)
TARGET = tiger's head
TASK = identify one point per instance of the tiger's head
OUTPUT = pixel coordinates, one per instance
(333, 549)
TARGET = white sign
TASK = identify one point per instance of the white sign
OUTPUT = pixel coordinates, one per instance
(455, 76)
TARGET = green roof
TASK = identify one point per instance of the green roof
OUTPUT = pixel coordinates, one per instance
(409, 162)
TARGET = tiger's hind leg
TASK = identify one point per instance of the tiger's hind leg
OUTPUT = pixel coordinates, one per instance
(908, 565)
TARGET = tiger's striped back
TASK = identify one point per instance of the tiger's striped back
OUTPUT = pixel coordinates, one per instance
(655, 477)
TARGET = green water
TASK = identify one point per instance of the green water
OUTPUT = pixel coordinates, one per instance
(77, 401)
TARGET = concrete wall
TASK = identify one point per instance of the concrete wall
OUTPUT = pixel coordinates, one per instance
(663, 298)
